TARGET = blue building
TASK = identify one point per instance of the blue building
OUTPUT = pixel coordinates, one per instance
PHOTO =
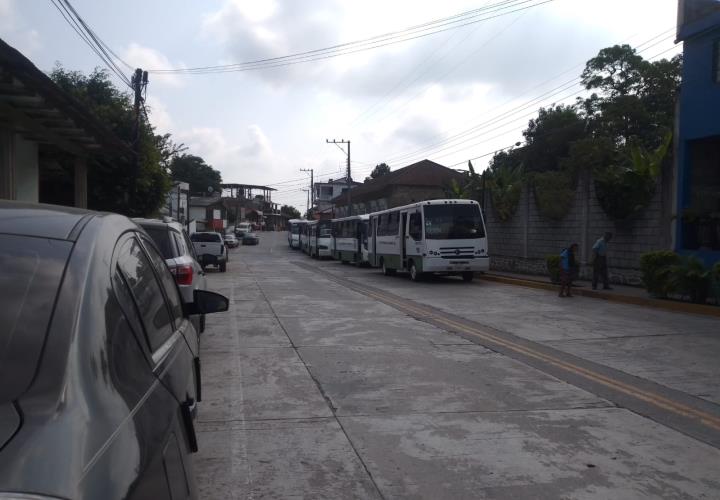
(698, 145)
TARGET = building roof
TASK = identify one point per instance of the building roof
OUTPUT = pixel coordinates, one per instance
(33, 105)
(204, 201)
(341, 180)
(423, 173)
(246, 186)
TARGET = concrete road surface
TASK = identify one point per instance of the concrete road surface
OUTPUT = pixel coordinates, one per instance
(328, 381)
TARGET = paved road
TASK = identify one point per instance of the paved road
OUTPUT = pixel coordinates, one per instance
(326, 381)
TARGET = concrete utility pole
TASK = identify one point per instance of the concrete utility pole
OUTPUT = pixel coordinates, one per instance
(348, 177)
(307, 204)
(312, 185)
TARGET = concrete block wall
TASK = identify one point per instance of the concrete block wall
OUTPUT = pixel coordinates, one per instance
(522, 243)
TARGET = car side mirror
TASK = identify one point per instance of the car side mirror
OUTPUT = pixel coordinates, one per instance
(205, 302)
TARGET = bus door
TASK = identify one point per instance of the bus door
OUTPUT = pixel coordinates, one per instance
(373, 245)
(403, 238)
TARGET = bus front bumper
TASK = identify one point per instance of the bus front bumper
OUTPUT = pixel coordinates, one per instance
(440, 265)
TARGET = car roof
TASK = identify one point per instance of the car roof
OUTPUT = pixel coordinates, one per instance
(42, 220)
(157, 223)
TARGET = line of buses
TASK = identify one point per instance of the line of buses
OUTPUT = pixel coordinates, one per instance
(430, 237)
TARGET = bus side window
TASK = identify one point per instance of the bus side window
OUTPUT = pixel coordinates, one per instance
(415, 226)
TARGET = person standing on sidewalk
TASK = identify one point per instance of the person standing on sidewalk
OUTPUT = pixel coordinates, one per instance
(600, 268)
(567, 269)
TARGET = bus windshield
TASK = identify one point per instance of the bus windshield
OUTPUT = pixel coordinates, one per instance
(453, 222)
(294, 229)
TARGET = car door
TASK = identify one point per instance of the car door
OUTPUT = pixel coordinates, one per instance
(163, 327)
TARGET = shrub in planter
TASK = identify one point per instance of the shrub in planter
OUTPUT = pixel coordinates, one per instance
(691, 279)
(554, 193)
(655, 268)
(553, 266)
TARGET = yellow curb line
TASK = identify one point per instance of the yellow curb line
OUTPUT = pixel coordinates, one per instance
(667, 305)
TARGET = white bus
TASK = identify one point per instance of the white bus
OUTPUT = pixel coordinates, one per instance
(294, 232)
(350, 239)
(320, 239)
(304, 236)
(436, 236)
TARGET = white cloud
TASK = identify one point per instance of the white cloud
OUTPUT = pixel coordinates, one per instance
(149, 59)
(246, 159)
(159, 115)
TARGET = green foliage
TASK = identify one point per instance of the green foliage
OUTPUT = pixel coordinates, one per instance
(554, 193)
(553, 266)
(627, 189)
(126, 185)
(656, 270)
(549, 137)
(380, 170)
(193, 170)
(505, 181)
(290, 212)
(616, 70)
(469, 188)
(691, 279)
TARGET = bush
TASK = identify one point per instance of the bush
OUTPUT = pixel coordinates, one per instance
(553, 266)
(554, 193)
(623, 193)
(505, 189)
(655, 268)
(691, 279)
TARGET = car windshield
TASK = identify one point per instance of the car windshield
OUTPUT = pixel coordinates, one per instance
(161, 237)
(453, 222)
(205, 237)
(32, 270)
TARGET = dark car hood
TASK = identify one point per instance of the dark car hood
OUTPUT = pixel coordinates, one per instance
(9, 422)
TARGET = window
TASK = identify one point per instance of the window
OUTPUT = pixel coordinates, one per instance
(168, 282)
(161, 237)
(180, 243)
(453, 222)
(206, 237)
(189, 245)
(146, 290)
(415, 226)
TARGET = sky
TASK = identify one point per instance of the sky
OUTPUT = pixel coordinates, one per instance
(456, 95)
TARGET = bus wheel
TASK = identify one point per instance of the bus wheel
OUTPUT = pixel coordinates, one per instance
(386, 270)
(414, 274)
(468, 276)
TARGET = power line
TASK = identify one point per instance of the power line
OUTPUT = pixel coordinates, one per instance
(368, 44)
(86, 34)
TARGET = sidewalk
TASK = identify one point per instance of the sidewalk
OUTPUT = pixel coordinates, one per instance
(620, 293)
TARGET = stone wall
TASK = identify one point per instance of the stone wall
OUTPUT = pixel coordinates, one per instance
(522, 243)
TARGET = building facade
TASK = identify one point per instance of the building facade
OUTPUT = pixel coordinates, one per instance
(325, 192)
(698, 131)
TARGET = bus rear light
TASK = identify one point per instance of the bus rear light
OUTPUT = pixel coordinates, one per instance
(183, 274)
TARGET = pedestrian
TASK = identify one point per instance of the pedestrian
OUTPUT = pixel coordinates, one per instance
(599, 256)
(567, 269)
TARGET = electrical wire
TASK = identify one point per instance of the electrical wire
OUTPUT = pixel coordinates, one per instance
(374, 43)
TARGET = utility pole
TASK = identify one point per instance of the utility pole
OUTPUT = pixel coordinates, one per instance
(348, 176)
(307, 205)
(139, 83)
(312, 185)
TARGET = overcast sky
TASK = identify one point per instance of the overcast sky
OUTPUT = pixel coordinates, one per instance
(476, 85)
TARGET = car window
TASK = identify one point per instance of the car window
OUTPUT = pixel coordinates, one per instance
(168, 282)
(190, 247)
(205, 237)
(32, 270)
(139, 275)
(180, 243)
(161, 237)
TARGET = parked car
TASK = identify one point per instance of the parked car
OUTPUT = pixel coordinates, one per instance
(100, 364)
(250, 239)
(242, 228)
(210, 249)
(230, 240)
(177, 249)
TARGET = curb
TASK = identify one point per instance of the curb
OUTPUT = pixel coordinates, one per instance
(667, 305)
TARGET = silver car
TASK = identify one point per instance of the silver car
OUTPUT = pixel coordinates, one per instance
(177, 249)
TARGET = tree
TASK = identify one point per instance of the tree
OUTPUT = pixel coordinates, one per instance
(549, 137)
(616, 70)
(290, 212)
(379, 170)
(127, 185)
(193, 170)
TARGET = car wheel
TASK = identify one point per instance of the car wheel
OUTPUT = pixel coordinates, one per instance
(468, 276)
(223, 267)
